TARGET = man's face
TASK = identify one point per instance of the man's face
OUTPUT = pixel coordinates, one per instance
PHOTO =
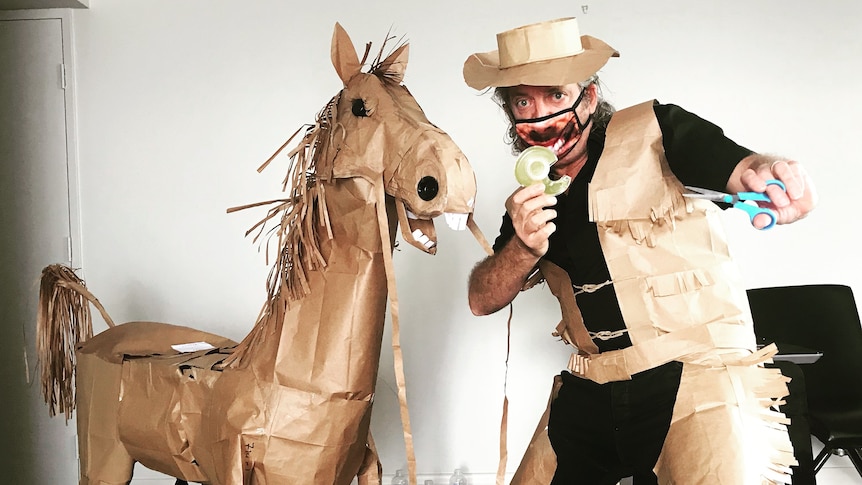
(554, 117)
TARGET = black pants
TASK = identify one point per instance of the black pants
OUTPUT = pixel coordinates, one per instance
(602, 433)
(800, 434)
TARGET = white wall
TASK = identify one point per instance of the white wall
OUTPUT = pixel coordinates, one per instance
(179, 102)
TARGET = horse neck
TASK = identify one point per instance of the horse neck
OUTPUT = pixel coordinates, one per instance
(329, 341)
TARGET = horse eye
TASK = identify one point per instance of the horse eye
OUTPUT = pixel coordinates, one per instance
(427, 188)
(358, 108)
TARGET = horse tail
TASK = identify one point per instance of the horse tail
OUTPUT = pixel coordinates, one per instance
(63, 321)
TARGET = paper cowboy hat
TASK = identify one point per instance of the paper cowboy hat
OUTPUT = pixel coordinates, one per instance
(549, 53)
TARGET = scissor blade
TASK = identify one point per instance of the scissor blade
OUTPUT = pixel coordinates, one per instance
(700, 190)
(715, 197)
(708, 194)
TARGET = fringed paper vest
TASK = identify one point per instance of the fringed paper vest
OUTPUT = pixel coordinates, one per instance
(682, 298)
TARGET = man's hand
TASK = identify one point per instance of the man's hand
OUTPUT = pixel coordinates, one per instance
(531, 218)
(751, 174)
(497, 279)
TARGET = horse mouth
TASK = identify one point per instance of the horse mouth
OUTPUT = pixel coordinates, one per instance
(423, 233)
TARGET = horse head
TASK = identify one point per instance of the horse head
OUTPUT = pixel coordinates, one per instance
(374, 130)
(379, 130)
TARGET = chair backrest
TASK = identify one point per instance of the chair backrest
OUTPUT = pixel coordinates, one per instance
(819, 317)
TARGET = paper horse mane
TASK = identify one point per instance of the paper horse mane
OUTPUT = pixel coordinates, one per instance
(291, 403)
(310, 167)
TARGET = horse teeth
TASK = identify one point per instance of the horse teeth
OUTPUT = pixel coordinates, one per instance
(422, 239)
(457, 222)
(411, 215)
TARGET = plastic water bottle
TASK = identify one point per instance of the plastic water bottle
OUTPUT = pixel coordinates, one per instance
(399, 478)
(457, 478)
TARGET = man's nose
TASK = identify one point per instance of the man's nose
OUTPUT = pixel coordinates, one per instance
(542, 134)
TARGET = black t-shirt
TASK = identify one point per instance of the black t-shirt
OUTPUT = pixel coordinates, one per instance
(698, 154)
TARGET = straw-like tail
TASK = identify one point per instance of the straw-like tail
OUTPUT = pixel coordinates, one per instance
(62, 323)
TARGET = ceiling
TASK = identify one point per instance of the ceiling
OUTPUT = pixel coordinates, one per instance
(37, 4)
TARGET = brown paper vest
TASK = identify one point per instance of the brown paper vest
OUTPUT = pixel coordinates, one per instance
(682, 299)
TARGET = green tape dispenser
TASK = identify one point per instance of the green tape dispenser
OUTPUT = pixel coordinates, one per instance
(534, 165)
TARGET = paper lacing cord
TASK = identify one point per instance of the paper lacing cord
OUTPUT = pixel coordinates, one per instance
(504, 419)
(501, 467)
(590, 287)
(608, 334)
(397, 357)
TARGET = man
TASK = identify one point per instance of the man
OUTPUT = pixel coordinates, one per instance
(648, 296)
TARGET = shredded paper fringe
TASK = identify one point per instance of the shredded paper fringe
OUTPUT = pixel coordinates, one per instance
(63, 321)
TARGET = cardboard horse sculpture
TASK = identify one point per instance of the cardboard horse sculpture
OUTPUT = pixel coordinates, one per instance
(291, 403)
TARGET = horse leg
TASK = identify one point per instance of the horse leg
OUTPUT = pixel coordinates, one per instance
(103, 458)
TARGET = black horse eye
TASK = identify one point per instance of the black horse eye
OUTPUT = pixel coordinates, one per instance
(427, 188)
(358, 108)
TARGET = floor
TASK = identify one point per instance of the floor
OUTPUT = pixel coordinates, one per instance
(837, 471)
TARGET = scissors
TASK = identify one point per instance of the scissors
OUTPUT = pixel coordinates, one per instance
(739, 200)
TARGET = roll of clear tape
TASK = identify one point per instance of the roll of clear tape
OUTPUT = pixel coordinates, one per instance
(534, 165)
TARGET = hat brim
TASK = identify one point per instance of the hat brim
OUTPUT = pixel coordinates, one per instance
(482, 70)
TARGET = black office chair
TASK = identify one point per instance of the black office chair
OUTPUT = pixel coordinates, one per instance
(823, 318)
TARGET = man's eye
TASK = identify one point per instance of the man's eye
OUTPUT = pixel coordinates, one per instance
(521, 103)
(558, 96)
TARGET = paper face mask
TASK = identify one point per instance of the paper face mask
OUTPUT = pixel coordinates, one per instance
(553, 130)
(291, 403)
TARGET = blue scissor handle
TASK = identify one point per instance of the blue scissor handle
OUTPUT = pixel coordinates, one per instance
(761, 196)
(754, 210)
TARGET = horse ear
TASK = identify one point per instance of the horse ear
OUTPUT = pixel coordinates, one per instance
(344, 56)
(395, 65)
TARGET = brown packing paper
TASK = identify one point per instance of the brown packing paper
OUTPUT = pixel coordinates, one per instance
(98, 436)
(291, 403)
(549, 53)
(371, 471)
(157, 416)
(728, 410)
(539, 462)
(682, 298)
(119, 352)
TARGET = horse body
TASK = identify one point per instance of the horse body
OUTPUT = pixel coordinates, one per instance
(291, 403)
(317, 380)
